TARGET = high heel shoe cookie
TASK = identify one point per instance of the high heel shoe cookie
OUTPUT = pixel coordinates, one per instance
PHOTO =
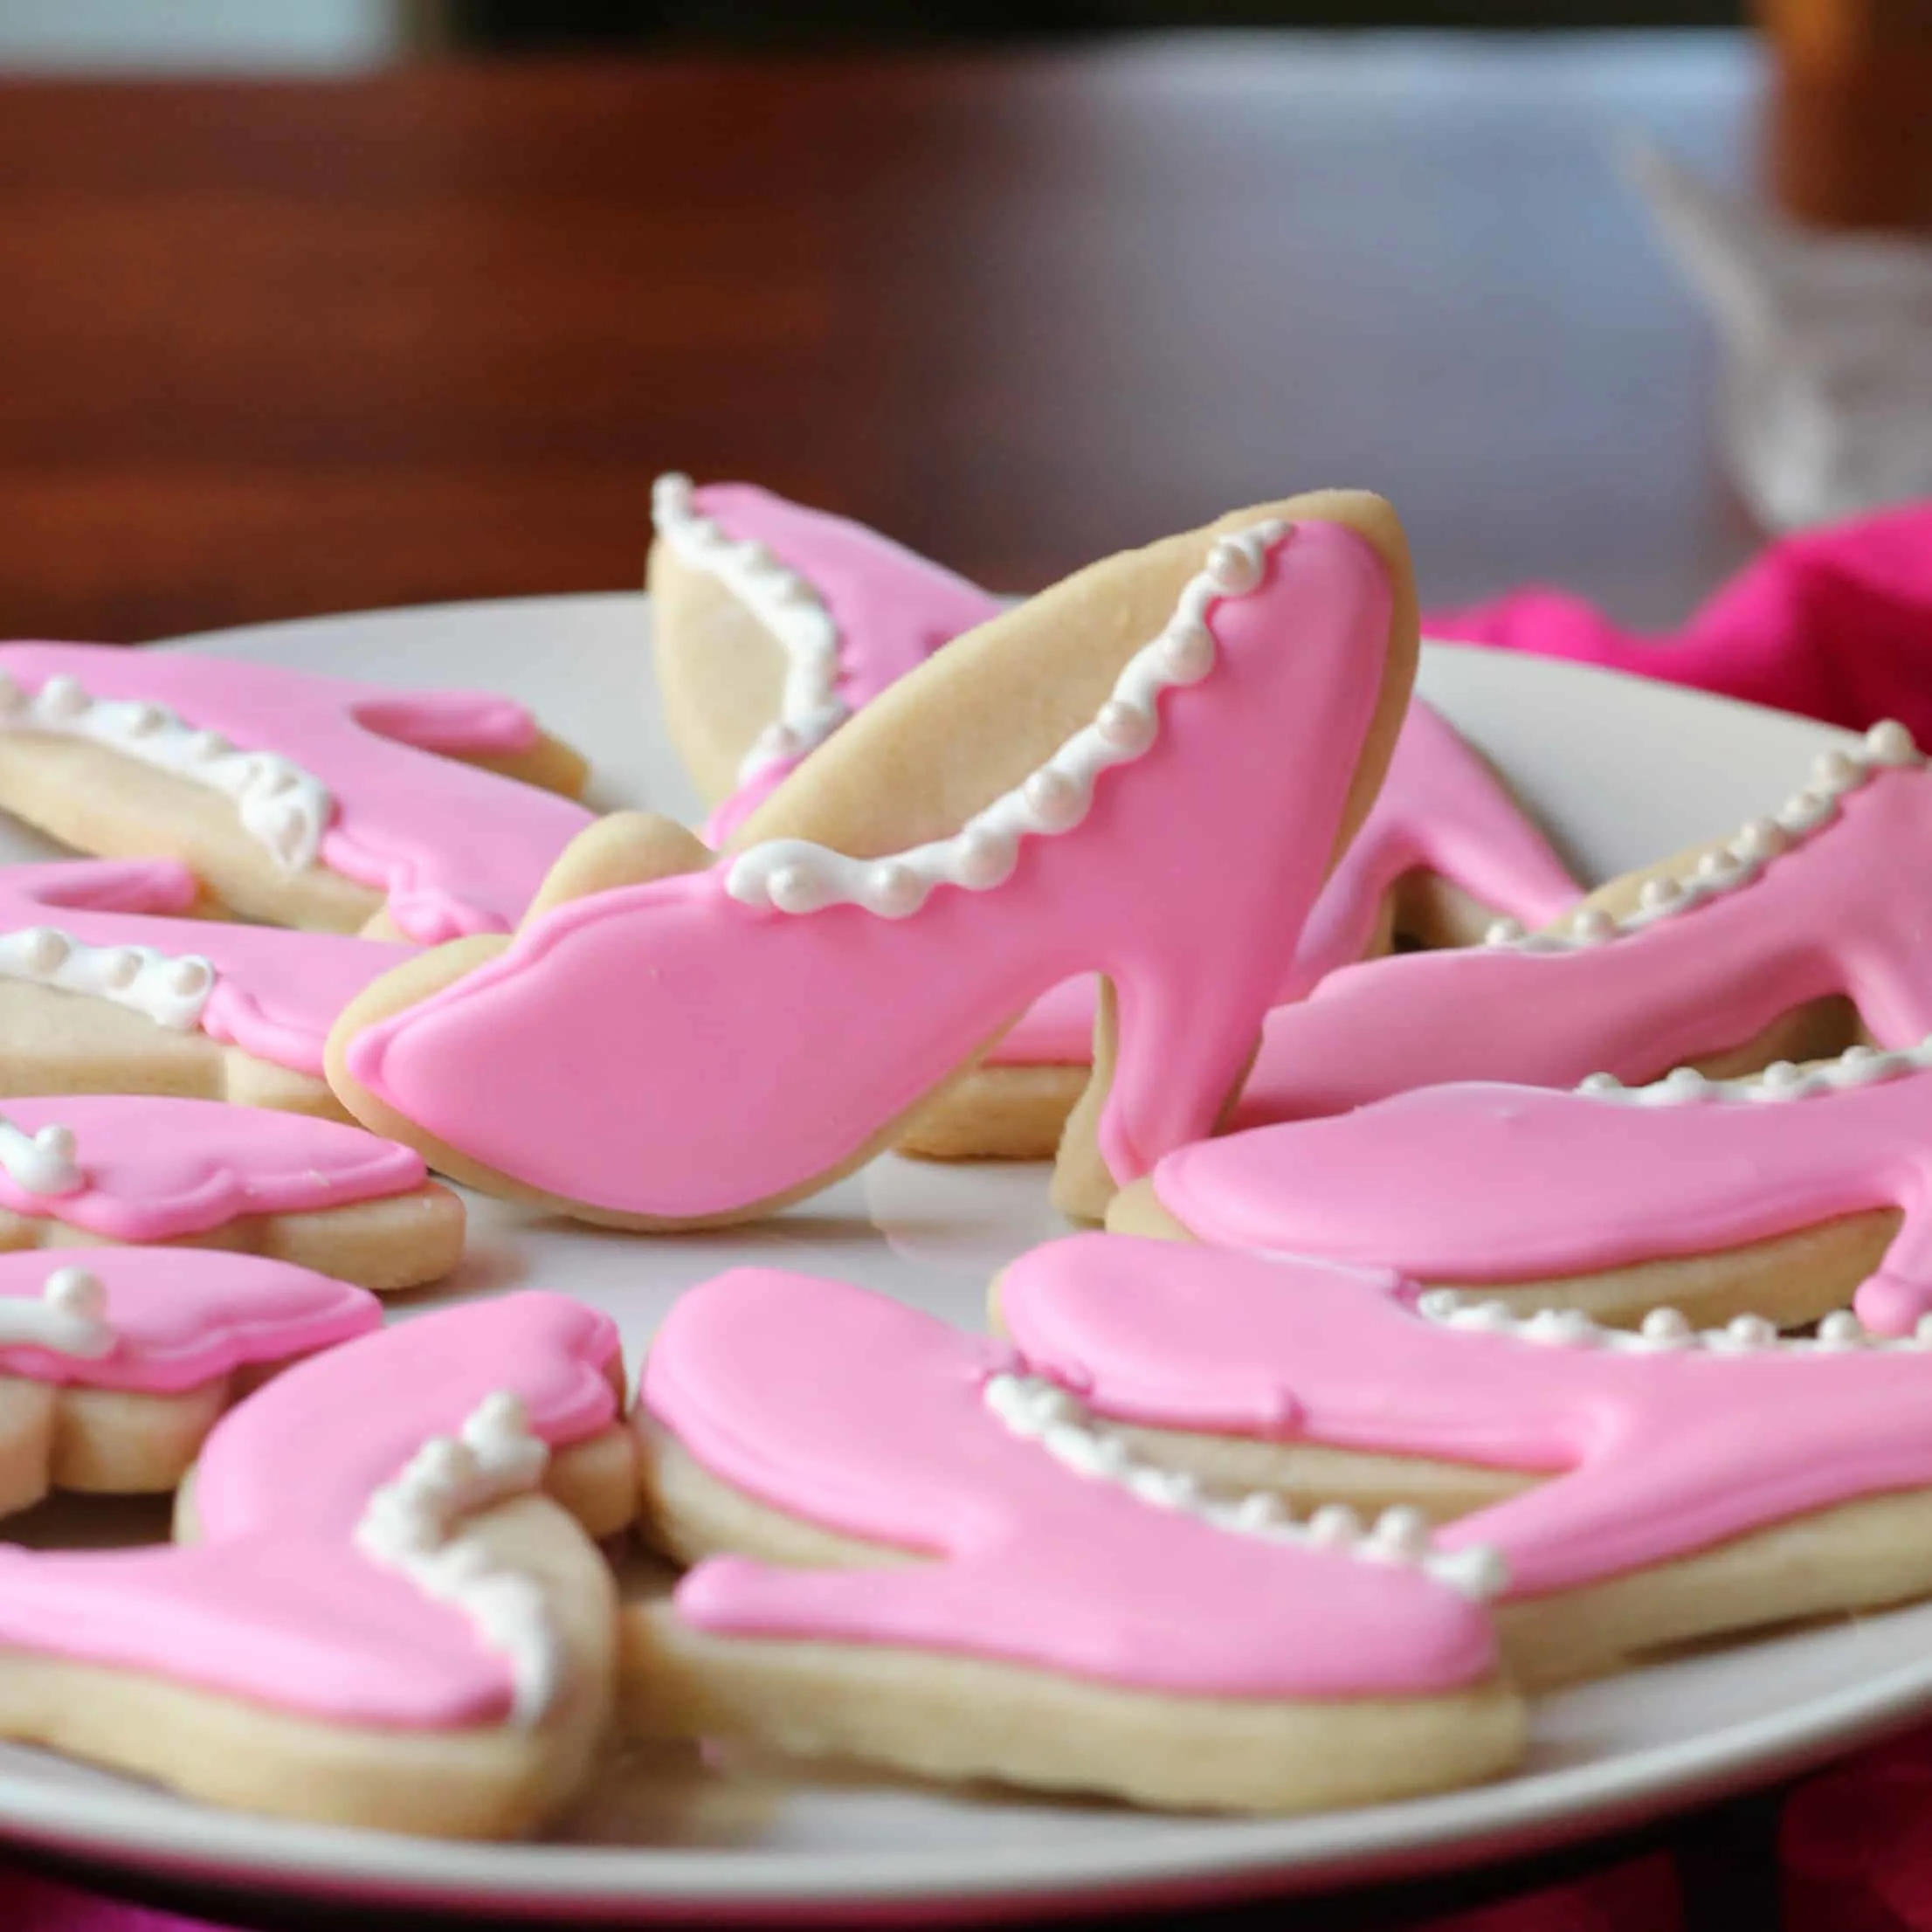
(1146, 772)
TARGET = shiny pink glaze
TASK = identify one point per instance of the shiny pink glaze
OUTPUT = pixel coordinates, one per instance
(453, 848)
(1491, 1183)
(845, 1410)
(1839, 913)
(769, 1046)
(158, 1168)
(1441, 810)
(1655, 1455)
(276, 993)
(275, 1604)
(893, 607)
(182, 1317)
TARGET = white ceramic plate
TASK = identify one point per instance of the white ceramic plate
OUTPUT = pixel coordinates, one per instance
(1621, 771)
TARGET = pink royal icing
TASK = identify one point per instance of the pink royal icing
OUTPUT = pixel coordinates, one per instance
(179, 1317)
(766, 969)
(890, 609)
(454, 848)
(1834, 914)
(1440, 810)
(278, 1602)
(156, 1169)
(271, 993)
(1658, 1447)
(871, 1420)
(1495, 1183)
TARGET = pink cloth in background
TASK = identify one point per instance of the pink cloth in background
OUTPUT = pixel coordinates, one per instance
(1835, 623)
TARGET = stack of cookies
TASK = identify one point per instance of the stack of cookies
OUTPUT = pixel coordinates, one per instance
(1483, 1284)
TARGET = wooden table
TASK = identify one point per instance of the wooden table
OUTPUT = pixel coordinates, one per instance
(275, 349)
(278, 349)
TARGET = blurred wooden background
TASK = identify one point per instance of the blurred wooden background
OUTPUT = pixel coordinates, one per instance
(428, 333)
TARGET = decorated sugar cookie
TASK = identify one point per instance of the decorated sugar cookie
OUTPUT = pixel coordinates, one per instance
(1787, 940)
(1443, 854)
(302, 800)
(116, 1362)
(1641, 1489)
(1780, 1193)
(1064, 1623)
(774, 623)
(379, 1617)
(88, 1168)
(1035, 801)
(106, 986)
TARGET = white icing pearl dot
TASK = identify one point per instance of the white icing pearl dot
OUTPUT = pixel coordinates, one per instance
(1781, 1075)
(1762, 838)
(1438, 1304)
(1860, 1055)
(1233, 569)
(76, 1291)
(273, 778)
(62, 697)
(791, 588)
(1600, 1083)
(754, 556)
(1806, 812)
(44, 951)
(1888, 742)
(1720, 863)
(1187, 652)
(1055, 800)
(145, 719)
(1751, 1331)
(207, 745)
(793, 889)
(1665, 1325)
(983, 858)
(120, 968)
(892, 890)
(1836, 770)
(1402, 1532)
(1125, 726)
(1560, 1327)
(1592, 926)
(1660, 894)
(1921, 1331)
(1503, 932)
(189, 977)
(1481, 1571)
(1260, 1511)
(671, 491)
(444, 1466)
(1841, 1329)
(1685, 1083)
(57, 1142)
(1335, 1526)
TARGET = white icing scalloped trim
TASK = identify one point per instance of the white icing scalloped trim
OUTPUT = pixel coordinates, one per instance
(809, 709)
(282, 806)
(1724, 868)
(1042, 1411)
(42, 1163)
(171, 989)
(70, 1318)
(1781, 1080)
(1665, 1331)
(415, 1525)
(794, 875)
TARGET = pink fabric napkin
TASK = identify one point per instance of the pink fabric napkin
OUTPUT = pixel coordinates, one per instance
(1836, 623)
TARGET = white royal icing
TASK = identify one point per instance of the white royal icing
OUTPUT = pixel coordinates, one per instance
(281, 805)
(1740, 859)
(1042, 1411)
(796, 876)
(809, 709)
(416, 1525)
(1664, 1330)
(70, 1318)
(1781, 1080)
(171, 989)
(42, 1163)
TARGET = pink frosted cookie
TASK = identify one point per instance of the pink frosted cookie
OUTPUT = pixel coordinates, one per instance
(107, 986)
(1792, 938)
(895, 1561)
(378, 1617)
(675, 1038)
(305, 801)
(87, 1169)
(116, 1362)
(1779, 1194)
(765, 610)
(1641, 1489)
